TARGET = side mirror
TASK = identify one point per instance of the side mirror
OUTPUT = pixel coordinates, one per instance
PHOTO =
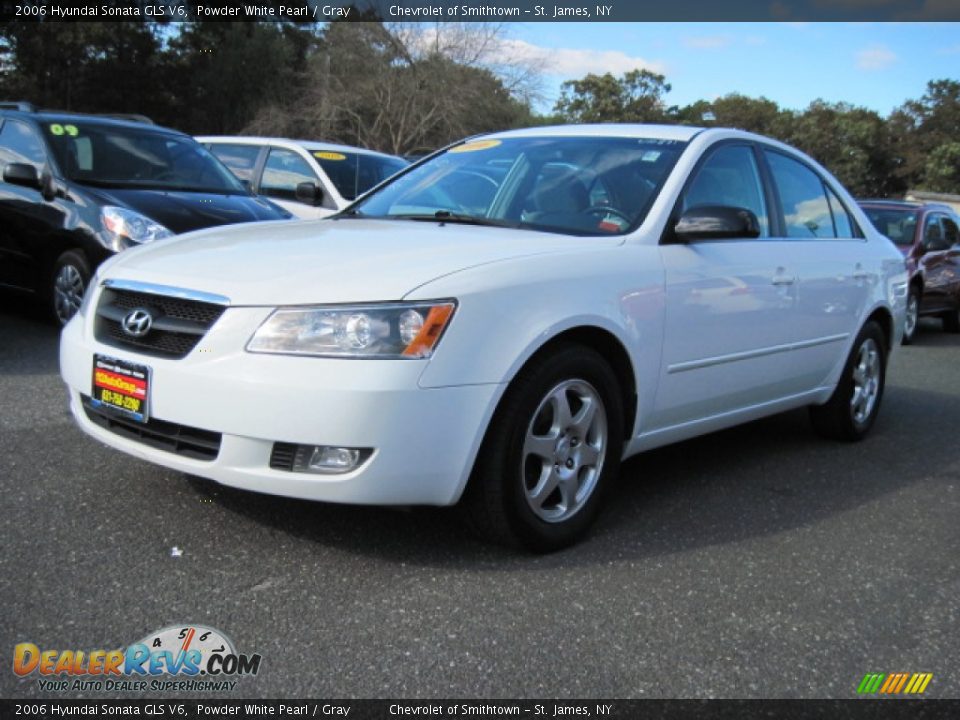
(716, 222)
(309, 193)
(22, 174)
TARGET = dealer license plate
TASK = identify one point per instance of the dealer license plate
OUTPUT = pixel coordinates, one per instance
(121, 386)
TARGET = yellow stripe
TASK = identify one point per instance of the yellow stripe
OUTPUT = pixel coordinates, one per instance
(926, 681)
(912, 685)
(903, 679)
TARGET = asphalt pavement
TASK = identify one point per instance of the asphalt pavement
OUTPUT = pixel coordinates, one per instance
(756, 562)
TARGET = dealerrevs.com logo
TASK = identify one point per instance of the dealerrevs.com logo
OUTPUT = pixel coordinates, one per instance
(177, 658)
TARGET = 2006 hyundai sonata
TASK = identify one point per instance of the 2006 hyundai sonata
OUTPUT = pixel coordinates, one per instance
(498, 326)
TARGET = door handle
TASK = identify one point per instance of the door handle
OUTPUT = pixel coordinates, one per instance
(859, 273)
(781, 278)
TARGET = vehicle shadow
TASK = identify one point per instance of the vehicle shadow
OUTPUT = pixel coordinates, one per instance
(755, 480)
(29, 340)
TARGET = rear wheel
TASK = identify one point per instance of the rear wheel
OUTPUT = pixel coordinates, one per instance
(71, 275)
(851, 410)
(552, 449)
(913, 315)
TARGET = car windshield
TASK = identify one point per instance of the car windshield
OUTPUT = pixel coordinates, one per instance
(125, 157)
(900, 225)
(573, 185)
(355, 173)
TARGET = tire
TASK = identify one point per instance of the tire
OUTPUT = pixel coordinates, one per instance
(951, 321)
(68, 283)
(850, 412)
(913, 315)
(528, 450)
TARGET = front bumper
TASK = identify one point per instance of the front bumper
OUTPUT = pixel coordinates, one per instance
(424, 440)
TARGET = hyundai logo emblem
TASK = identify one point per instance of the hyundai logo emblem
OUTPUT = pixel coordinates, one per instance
(137, 322)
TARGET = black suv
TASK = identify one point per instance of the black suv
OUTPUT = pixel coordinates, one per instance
(75, 189)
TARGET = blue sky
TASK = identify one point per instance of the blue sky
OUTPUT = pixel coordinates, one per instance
(876, 65)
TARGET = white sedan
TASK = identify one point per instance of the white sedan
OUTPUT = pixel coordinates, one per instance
(499, 326)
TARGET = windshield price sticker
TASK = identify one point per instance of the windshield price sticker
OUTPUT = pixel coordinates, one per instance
(327, 155)
(475, 146)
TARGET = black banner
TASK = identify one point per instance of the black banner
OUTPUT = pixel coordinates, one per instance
(892, 709)
(309, 11)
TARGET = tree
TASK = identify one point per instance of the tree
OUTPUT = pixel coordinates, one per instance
(942, 170)
(79, 66)
(403, 88)
(920, 127)
(852, 142)
(637, 96)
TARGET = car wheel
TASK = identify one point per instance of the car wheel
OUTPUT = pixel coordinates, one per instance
(71, 275)
(913, 315)
(951, 321)
(851, 410)
(552, 448)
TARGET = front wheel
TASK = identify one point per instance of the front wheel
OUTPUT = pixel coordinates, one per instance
(552, 448)
(71, 275)
(852, 409)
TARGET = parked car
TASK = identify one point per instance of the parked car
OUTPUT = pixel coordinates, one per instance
(928, 235)
(598, 291)
(75, 189)
(310, 179)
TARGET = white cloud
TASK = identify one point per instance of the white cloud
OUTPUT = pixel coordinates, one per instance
(952, 50)
(575, 63)
(707, 42)
(876, 57)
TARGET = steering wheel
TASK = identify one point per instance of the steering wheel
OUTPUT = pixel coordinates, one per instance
(607, 210)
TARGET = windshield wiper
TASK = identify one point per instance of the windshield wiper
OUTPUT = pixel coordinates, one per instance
(445, 216)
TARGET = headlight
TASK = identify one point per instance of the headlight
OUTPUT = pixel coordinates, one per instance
(388, 330)
(123, 228)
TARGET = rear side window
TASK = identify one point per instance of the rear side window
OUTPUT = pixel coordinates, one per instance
(285, 170)
(841, 218)
(803, 198)
(241, 159)
(20, 144)
(950, 231)
(730, 177)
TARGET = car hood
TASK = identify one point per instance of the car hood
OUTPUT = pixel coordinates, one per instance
(182, 212)
(328, 261)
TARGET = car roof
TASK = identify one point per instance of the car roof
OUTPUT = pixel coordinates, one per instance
(902, 204)
(682, 133)
(309, 145)
(43, 116)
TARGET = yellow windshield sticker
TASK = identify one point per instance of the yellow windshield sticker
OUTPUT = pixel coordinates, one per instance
(71, 130)
(56, 129)
(474, 146)
(327, 155)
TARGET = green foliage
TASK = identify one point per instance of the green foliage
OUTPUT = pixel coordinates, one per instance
(637, 96)
(942, 170)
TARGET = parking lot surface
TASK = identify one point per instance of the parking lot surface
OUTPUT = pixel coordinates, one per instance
(760, 561)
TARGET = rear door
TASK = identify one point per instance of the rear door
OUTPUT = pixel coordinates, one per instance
(833, 270)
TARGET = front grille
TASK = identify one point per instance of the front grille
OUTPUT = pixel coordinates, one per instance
(180, 439)
(282, 456)
(178, 323)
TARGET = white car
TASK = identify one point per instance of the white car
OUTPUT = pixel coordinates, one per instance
(499, 326)
(311, 179)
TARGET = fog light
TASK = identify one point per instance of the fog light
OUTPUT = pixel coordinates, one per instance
(327, 459)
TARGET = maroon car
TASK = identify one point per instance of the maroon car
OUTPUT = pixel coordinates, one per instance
(929, 236)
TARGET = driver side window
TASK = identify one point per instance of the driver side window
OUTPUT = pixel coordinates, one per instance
(729, 177)
(933, 234)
